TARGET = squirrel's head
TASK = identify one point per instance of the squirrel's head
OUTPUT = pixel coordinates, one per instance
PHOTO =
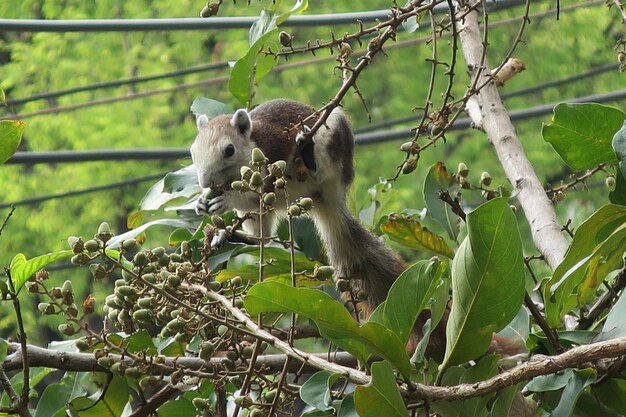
(222, 146)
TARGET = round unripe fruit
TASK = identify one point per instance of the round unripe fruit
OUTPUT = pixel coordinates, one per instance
(140, 259)
(158, 251)
(199, 403)
(129, 244)
(270, 395)
(105, 362)
(247, 352)
(343, 285)
(236, 185)
(485, 178)
(294, 210)
(142, 315)
(406, 147)
(235, 282)
(409, 166)
(306, 203)
(324, 272)
(214, 285)
(256, 180)
(131, 372)
(462, 170)
(269, 199)
(279, 183)
(222, 329)
(246, 173)
(82, 345)
(257, 156)
(610, 182)
(257, 412)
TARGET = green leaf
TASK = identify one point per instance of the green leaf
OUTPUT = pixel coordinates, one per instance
(595, 251)
(552, 382)
(615, 325)
(347, 407)
(209, 107)
(411, 24)
(53, 400)
(140, 341)
(379, 198)
(381, 397)
(437, 179)
(111, 404)
(244, 76)
(407, 231)
(487, 281)
(504, 400)
(618, 195)
(580, 380)
(316, 390)
(176, 185)
(619, 146)
(611, 393)
(22, 269)
(10, 138)
(332, 319)
(4, 349)
(409, 295)
(181, 407)
(581, 133)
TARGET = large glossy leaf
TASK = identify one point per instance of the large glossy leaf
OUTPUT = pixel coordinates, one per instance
(581, 133)
(411, 293)
(437, 179)
(332, 319)
(111, 404)
(580, 380)
(475, 407)
(316, 390)
(177, 185)
(596, 250)
(381, 397)
(181, 407)
(487, 281)
(22, 269)
(409, 232)
(615, 325)
(10, 138)
(54, 398)
(249, 70)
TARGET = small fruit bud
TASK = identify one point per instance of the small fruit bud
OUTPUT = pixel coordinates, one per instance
(46, 308)
(77, 244)
(323, 272)
(129, 244)
(158, 251)
(409, 166)
(285, 38)
(206, 351)
(258, 157)
(279, 183)
(243, 401)
(132, 372)
(269, 199)
(485, 178)
(92, 245)
(82, 345)
(306, 203)
(406, 147)
(464, 183)
(247, 352)
(80, 259)
(104, 232)
(200, 403)
(621, 56)
(246, 173)
(361, 295)
(214, 286)
(222, 329)
(257, 412)
(610, 182)
(125, 290)
(105, 361)
(235, 282)
(98, 271)
(67, 329)
(236, 185)
(462, 170)
(559, 196)
(256, 180)
(140, 259)
(211, 9)
(142, 315)
(344, 50)
(277, 169)
(270, 395)
(175, 325)
(343, 285)
(294, 210)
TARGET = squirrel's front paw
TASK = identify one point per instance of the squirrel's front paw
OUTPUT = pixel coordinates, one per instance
(213, 205)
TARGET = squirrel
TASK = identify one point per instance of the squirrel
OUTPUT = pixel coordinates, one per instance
(224, 144)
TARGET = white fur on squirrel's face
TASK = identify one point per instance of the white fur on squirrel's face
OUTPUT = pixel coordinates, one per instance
(221, 147)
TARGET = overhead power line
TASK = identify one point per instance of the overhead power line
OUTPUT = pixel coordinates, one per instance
(521, 92)
(132, 25)
(104, 187)
(361, 139)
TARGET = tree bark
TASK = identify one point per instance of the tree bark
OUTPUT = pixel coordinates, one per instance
(488, 113)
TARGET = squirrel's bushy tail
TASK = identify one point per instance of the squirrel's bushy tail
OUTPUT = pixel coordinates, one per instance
(357, 255)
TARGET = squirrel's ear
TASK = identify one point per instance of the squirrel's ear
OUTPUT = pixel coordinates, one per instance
(241, 122)
(201, 121)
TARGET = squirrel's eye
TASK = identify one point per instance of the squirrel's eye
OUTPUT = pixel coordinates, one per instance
(229, 151)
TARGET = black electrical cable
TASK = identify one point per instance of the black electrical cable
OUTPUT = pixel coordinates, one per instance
(104, 187)
(132, 25)
(361, 139)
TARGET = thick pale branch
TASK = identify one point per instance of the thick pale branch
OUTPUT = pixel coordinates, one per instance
(493, 118)
(581, 356)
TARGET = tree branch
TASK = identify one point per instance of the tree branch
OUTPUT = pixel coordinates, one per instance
(495, 121)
